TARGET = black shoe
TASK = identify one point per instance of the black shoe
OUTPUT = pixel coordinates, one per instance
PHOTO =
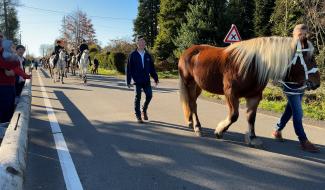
(145, 115)
(139, 120)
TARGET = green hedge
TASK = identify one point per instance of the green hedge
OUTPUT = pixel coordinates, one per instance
(117, 61)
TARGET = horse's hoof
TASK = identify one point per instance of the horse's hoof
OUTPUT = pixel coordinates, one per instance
(254, 142)
(218, 135)
(190, 125)
(197, 131)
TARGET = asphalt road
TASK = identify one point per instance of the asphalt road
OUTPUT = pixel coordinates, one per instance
(109, 150)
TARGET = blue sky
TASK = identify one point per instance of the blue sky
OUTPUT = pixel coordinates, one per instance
(43, 27)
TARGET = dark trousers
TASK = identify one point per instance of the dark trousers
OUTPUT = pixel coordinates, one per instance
(7, 103)
(294, 110)
(138, 90)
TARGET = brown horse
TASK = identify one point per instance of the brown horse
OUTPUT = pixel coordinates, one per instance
(243, 69)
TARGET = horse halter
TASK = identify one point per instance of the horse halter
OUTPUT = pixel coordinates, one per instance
(299, 54)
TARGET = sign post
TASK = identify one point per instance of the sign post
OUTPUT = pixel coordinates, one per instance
(233, 35)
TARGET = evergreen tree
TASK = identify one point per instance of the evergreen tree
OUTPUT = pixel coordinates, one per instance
(204, 25)
(262, 16)
(287, 13)
(146, 22)
(8, 20)
(170, 18)
(241, 13)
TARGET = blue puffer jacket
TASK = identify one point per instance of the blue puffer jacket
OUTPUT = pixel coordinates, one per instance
(135, 70)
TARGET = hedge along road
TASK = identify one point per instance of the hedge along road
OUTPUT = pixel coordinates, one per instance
(109, 150)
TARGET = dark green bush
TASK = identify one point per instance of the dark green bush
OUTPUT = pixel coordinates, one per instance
(117, 61)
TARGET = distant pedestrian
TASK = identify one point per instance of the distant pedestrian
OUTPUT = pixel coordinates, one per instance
(140, 67)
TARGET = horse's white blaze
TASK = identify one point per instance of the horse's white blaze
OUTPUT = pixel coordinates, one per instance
(70, 174)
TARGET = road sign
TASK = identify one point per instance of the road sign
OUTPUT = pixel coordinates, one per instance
(233, 35)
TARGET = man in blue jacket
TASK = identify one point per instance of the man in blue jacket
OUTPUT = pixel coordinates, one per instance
(139, 68)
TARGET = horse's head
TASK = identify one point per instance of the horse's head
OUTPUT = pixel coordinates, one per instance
(303, 67)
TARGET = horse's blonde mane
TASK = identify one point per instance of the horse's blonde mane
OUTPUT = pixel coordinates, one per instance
(272, 56)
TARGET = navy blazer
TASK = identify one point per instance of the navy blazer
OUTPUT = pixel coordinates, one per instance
(135, 70)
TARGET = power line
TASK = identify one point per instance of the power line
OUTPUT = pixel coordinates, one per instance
(62, 12)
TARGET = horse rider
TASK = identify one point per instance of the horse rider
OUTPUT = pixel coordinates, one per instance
(83, 46)
(57, 48)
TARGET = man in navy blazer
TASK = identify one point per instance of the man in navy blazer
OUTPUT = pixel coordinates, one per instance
(139, 68)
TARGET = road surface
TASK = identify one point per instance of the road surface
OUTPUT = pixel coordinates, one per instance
(102, 147)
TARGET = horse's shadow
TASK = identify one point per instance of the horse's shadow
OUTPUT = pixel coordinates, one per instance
(288, 147)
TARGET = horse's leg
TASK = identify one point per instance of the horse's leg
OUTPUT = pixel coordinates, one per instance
(223, 126)
(250, 137)
(193, 95)
(185, 90)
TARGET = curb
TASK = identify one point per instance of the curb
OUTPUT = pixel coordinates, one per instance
(13, 148)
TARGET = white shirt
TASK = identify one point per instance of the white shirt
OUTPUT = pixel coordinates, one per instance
(142, 56)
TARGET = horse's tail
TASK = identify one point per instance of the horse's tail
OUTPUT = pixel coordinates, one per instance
(183, 89)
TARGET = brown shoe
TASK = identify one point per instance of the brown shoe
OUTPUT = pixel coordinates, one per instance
(277, 136)
(309, 147)
(145, 116)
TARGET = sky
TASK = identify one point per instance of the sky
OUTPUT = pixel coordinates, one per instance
(40, 20)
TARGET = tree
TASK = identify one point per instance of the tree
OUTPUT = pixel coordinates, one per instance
(204, 25)
(46, 49)
(170, 18)
(287, 13)
(314, 17)
(241, 13)
(9, 20)
(77, 27)
(262, 17)
(146, 22)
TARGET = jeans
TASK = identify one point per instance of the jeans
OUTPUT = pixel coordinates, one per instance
(294, 109)
(7, 103)
(138, 90)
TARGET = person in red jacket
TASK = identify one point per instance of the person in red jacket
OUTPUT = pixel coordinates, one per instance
(8, 70)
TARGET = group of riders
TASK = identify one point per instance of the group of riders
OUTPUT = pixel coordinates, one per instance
(72, 61)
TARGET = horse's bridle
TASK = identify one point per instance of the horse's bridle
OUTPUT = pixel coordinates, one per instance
(299, 54)
(302, 61)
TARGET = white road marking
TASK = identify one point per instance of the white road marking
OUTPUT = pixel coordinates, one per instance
(70, 174)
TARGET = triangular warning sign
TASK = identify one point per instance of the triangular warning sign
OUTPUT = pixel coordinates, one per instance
(233, 35)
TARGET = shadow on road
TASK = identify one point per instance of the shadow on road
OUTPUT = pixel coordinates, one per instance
(124, 155)
(288, 148)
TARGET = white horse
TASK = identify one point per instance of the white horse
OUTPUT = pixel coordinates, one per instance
(51, 65)
(60, 67)
(83, 65)
(73, 65)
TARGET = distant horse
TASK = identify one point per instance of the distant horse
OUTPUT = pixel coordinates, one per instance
(243, 70)
(94, 69)
(60, 67)
(83, 65)
(73, 65)
(51, 65)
